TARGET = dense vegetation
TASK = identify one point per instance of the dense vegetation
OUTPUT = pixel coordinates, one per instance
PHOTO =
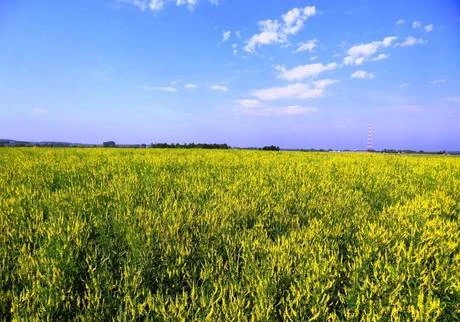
(182, 235)
(211, 146)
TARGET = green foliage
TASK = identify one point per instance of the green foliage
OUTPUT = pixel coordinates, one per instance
(109, 144)
(271, 148)
(183, 235)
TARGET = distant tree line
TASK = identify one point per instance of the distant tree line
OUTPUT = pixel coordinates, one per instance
(189, 146)
(112, 144)
(271, 148)
(109, 144)
(14, 143)
(406, 151)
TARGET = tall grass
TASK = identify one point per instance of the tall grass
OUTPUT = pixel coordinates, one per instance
(183, 235)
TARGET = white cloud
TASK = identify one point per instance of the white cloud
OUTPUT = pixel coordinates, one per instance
(455, 99)
(294, 91)
(235, 49)
(362, 74)
(304, 71)
(39, 111)
(238, 34)
(309, 11)
(295, 18)
(309, 46)
(141, 4)
(269, 35)
(380, 57)
(401, 22)
(158, 5)
(154, 5)
(291, 110)
(255, 107)
(323, 83)
(438, 81)
(291, 21)
(220, 88)
(358, 54)
(416, 24)
(169, 89)
(429, 28)
(249, 103)
(189, 3)
(191, 86)
(387, 41)
(226, 35)
(274, 31)
(404, 85)
(411, 41)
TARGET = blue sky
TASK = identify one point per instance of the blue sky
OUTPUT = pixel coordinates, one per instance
(298, 74)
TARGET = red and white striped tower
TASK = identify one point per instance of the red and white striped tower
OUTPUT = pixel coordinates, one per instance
(370, 142)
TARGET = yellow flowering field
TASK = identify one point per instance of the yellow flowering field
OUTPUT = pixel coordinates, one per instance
(235, 235)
